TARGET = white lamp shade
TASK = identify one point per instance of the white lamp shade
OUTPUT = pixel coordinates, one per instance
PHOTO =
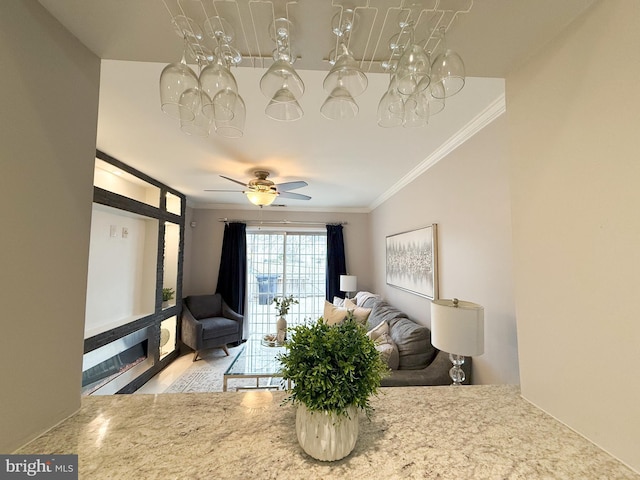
(457, 329)
(348, 283)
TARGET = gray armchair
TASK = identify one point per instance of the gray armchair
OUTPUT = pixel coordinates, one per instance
(208, 322)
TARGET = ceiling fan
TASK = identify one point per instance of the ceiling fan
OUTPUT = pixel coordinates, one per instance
(262, 192)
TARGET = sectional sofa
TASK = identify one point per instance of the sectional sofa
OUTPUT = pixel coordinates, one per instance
(418, 361)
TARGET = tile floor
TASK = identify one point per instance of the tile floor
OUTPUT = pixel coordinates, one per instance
(162, 380)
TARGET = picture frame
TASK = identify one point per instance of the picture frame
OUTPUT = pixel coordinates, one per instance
(412, 261)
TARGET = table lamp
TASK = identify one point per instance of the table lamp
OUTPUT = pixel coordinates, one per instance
(348, 284)
(457, 327)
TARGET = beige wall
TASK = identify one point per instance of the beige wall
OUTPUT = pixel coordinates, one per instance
(467, 195)
(49, 97)
(205, 239)
(575, 173)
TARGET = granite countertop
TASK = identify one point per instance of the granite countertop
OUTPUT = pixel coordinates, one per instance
(474, 432)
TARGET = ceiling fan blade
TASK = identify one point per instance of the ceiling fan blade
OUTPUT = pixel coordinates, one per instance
(234, 181)
(295, 196)
(282, 187)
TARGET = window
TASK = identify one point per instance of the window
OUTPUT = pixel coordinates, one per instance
(283, 264)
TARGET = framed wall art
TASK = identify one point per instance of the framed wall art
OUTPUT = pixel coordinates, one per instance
(412, 261)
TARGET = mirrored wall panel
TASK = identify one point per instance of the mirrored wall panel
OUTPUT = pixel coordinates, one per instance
(121, 283)
(174, 204)
(111, 178)
(168, 336)
(171, 252)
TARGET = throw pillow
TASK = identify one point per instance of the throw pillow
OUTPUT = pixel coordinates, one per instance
(338, 302)
(388, 350)
(362, 297)
(360, 313)
(332, 314)
(374, 333)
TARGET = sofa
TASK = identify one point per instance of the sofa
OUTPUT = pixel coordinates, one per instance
(418, 361)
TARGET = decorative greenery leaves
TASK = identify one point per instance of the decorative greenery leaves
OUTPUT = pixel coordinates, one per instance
(332, 366)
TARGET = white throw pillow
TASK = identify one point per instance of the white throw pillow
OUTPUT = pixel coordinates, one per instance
(360, 313)
(333, 315)
(382, 328)
(388, 350)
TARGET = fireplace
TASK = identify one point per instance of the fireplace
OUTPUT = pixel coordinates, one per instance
(109, 368)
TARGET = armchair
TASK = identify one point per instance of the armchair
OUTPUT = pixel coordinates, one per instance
(208, 322)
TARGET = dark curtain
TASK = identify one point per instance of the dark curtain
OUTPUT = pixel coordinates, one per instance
(232, 279)
(336, 264)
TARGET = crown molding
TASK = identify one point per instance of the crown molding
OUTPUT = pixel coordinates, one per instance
(484, 118)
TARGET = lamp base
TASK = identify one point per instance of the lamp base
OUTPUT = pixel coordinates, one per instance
(456, 372)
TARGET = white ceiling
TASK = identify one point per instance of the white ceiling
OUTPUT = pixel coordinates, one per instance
(349, 165)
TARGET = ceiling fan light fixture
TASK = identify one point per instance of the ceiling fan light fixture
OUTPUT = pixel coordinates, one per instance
(261, 198)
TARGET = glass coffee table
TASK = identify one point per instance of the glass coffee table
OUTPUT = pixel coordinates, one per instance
(255, 361)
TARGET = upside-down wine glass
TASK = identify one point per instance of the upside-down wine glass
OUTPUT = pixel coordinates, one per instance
(192, 101)
(414, 70)
(175, 79)
(448, 70)
(416, 110)
(340, 104)
(233, 128)
(391, 106)
(281, 83)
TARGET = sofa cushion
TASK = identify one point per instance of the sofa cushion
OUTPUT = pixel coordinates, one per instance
(381, 311)
(333, 315)
(382, 328)
(413, 342)
(218, 327)
(204, 306)
(388, 350)
(366, 297)
(361, 314)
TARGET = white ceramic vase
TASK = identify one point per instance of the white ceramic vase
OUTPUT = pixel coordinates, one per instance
(327, 436)
(281, 329)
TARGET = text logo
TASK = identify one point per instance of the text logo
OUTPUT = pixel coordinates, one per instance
(51, 467)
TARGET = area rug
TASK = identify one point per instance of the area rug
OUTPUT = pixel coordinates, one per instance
(206, 374)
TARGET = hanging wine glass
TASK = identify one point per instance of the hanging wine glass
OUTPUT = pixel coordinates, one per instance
(233, 128)
(346, 73)
(280, 73)
(391, 106)
(436, 98)
(174, 80)
(448, 70)
(416, 110)
(193, 121)
(284, 106)
(340, 104)
(346, 79)
(200, 125)
(414, 70)
(281, 83)
(214, 79)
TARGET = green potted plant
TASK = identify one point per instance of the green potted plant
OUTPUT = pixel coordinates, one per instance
(167, 294)
(283, 304)
(334, 370)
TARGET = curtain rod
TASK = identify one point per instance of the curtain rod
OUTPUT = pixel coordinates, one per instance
(279, 222)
